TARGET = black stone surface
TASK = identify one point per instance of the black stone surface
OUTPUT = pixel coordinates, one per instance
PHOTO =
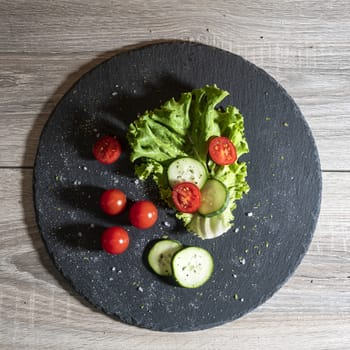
(250, 265)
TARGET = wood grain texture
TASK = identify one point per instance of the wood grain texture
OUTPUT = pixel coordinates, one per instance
(40, 310)
(34, 85)
(45, 46)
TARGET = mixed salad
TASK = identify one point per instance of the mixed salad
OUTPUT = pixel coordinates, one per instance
(190, 148)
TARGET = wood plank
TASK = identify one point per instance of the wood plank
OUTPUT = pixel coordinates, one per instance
(31, 85)
(39, 310)
(72, 26)
(46, 46)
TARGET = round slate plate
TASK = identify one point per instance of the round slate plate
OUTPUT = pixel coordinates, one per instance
(275, 221)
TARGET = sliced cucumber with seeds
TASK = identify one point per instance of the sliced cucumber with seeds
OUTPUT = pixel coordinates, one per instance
(187, 170)
(192, 267)
(161, 254)
(214, 198)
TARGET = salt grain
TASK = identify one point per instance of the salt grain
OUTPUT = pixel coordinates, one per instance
(242, 261)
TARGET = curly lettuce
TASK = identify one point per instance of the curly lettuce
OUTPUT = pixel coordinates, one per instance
(182, 128)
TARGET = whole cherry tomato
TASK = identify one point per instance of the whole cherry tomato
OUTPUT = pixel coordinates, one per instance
(113, 201)
(115, 240)
(143, 214)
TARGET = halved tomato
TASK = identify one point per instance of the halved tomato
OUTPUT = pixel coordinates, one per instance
(222, 151)
(107, 149)
(186, 197)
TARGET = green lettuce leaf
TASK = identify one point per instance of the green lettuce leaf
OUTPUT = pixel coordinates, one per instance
(183, 128)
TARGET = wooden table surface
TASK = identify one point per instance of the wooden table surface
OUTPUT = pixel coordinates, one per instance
(45, 46)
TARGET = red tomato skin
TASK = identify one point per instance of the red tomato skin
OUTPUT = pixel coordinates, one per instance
(107, 150)
(113, 201)
(115, 240)
(222, 151)
(143, 214)
(186, 197)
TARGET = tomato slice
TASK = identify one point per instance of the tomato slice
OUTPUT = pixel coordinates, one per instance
(107, 150)
(222, 151)
(143, 214)
(186, 197)
(113, 201)
(115, 240)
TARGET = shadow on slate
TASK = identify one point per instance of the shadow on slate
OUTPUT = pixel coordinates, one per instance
(80, 236)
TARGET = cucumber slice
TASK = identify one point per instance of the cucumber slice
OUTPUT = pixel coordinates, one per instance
(192, 267)
(187, 170)
(214, 198)
(161, 254)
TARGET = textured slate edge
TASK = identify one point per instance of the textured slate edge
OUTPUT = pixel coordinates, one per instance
(314, 219)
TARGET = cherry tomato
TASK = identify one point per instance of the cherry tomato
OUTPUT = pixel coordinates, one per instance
(143, 214)
(186, 197)
(115, 240)
(222, 151)
(113, 201)
(107, 150)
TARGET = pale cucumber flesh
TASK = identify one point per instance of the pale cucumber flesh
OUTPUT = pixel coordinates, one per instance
(187, 170)
(214, 198)
(192, 267)
(161, 254)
